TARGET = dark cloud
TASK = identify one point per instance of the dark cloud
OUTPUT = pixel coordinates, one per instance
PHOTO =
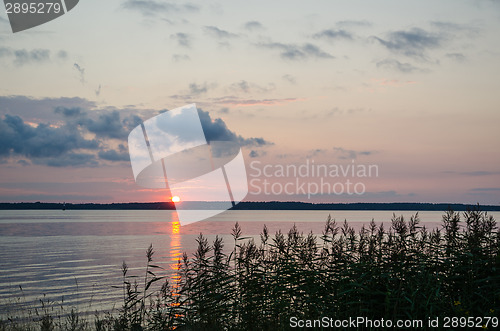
(22, 57)
(98, 91)
(253, 153)
(197, 89)
(217, 130)
(183, 39)
(255, 142)
(42, 141)
(81, 72)
(68, 112)
(153, 8)
(333, 34)
(112, 155)
(108, 125)
(413, 43)
(395, 65)
(70, 160)
(349, 154)
(218, 33)
(68, 142)
(253, 25)
(297, 52)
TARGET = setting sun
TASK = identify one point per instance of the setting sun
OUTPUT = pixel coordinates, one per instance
(175, 199)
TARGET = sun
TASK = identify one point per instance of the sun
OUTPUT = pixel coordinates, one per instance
(175, 199)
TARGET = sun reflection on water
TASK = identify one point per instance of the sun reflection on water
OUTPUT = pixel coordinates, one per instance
(175, 255)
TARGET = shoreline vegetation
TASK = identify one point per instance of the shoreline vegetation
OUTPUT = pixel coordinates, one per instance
(401, 272)
(246, 205)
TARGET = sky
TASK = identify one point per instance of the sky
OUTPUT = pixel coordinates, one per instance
(409, 88)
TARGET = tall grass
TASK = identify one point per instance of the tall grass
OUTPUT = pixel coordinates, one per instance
(402, 272)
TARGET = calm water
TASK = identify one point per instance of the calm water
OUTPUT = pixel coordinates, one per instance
(75, 256)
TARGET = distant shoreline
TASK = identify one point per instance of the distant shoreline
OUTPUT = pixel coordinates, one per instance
(274, 205)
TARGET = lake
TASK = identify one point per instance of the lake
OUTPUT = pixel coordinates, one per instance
(74, 257)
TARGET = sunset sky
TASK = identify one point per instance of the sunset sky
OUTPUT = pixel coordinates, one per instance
(409, 86)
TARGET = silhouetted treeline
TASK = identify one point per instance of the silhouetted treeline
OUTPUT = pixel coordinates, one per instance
(273, 205)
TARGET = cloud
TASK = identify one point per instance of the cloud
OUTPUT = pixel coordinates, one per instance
(218, 33)
(98, 91)
(81, 72)
(247, 87)
(412, 43)
(34, 56)
(333, 34)
(454, 28)
(42, 142)
(253, 153)
(349, 154)
(197, 89)
(62, 54)
(289, 78)
(316, 152)
(23, 57)
(70, 160)
(183, 39)
(393, 64)
(217, 130)
(459, 57)
(180, 57)
(253, 25)
(68, 112)
(235, 101)
(194, 90)
(112, 155)
(153, 8)
(354, 23)
(107, 125)
(486, 189)
(297, 52)
(40, 110)
(480, 173)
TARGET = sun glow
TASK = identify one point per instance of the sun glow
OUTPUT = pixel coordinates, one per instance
(175, 199)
